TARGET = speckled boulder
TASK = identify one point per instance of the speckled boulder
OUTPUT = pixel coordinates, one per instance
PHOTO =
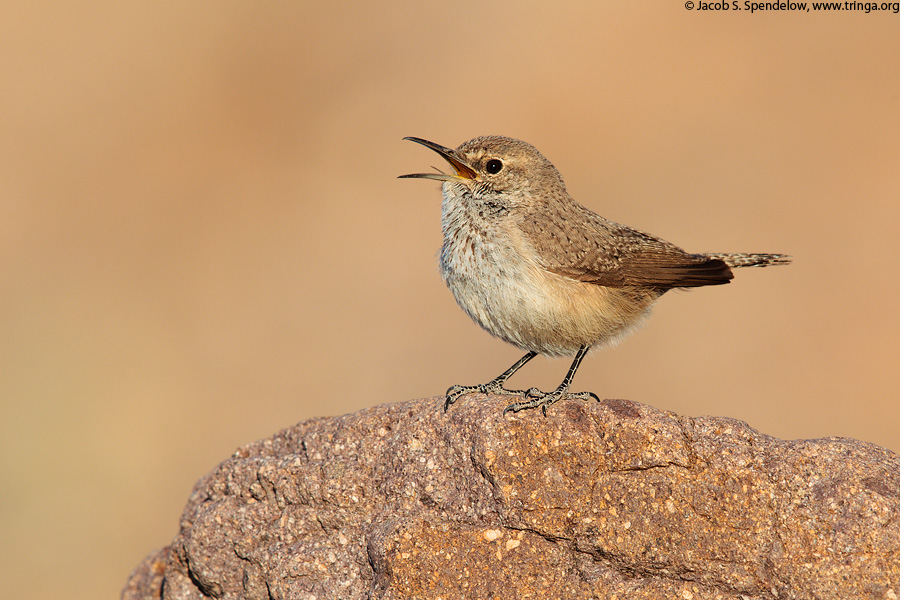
(597, 500)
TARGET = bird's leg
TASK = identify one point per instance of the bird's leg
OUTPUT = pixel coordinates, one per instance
(543, 399)
(495, 386)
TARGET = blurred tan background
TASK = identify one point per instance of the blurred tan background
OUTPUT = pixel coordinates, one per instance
(203, 239)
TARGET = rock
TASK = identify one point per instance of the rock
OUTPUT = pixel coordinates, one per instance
(597, 500)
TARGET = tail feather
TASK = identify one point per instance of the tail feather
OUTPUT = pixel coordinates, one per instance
(752, 260)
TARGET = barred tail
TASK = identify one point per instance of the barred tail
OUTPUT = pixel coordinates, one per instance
(752, 260)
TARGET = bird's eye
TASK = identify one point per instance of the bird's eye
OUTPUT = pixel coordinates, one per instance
(493, 166)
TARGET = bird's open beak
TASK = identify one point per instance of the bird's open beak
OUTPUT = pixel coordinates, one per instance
(463, 171)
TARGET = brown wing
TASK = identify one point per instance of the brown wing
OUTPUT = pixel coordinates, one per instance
(589, 248)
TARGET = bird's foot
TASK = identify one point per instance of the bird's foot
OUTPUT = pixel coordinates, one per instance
(545, 399)
(492, 387)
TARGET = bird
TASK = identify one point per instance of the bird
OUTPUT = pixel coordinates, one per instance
(542, 272)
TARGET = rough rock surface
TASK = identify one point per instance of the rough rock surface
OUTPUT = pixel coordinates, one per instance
(597, 500)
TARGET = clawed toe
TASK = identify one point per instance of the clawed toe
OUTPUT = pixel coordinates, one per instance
(493, 387)
(544, 399)
(455, 391)
(584, 396)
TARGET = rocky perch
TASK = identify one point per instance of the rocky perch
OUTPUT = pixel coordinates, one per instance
(597, 500)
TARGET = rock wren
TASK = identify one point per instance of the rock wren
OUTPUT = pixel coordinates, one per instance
(542, 272)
